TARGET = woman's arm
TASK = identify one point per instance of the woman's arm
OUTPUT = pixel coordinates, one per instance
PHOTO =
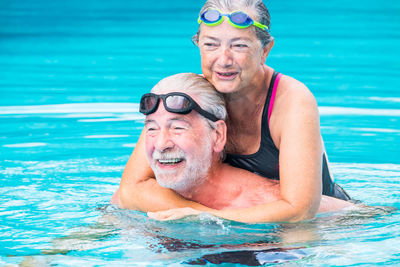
(295, 129)
(139, 189)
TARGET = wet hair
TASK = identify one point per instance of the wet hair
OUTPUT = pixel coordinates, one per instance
(207, 97)
(261, 11)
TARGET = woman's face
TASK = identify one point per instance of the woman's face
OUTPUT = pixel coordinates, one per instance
(231, 58)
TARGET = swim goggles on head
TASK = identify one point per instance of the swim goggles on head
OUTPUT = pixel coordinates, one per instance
(237, 19)
(174, 102)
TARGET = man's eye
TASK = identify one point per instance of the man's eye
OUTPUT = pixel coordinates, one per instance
(151, 129)
(179, 128)
(240, 45)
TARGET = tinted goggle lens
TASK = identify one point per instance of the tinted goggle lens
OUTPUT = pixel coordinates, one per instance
(148, 103)
(211, 16)
(241, 19)
(176, 103)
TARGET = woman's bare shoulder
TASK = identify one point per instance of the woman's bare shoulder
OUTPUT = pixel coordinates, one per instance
(293, 95)
(294, 104)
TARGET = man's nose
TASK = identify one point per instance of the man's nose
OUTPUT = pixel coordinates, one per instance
(164, 140)
(226, 57)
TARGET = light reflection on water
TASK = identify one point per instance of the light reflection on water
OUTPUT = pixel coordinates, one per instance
(68, 122)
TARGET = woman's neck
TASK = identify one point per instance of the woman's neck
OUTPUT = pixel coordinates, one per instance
(249, 101)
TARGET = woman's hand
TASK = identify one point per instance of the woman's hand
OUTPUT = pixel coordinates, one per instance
(173, 214)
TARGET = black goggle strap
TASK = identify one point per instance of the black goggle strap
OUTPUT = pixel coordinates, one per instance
(204, 113)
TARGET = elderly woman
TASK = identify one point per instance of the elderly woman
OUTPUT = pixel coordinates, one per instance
(273, 125)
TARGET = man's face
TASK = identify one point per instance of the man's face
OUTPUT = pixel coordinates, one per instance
(179, 148)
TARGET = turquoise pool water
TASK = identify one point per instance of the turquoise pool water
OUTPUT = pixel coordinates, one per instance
(71, 74)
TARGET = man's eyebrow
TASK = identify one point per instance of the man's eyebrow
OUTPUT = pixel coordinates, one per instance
(177, 118)
(146, 121)
(180, 118)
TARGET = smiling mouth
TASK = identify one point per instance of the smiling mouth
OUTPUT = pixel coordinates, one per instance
(170, 161)
(226, 75)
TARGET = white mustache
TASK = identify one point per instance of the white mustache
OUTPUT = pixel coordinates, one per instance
(159, 155)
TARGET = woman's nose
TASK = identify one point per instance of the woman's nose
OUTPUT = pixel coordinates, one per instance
(225, 57)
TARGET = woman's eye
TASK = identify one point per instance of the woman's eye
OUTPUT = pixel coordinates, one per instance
(210, 45)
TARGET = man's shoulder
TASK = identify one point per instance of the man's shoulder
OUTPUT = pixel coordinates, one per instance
(241, 176)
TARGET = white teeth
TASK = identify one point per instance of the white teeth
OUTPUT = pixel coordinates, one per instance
(227, 74)
(169, 161)
(168, 157)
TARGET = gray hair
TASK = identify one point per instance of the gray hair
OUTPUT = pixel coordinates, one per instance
(261, 11)
(207, 97)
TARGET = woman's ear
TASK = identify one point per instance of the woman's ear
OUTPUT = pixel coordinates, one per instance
(266, 51)
(219, 136)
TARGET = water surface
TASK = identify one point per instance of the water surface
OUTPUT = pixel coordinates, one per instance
(71, 76)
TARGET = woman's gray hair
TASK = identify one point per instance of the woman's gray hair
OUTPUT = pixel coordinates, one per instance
(261, 11)
(195, 85)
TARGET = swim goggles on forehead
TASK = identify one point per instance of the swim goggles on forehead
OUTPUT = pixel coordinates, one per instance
(174, 102)
(237, 19)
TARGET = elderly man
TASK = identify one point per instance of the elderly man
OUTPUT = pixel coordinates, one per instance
(185, 135)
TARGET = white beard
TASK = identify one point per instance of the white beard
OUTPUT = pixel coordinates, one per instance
(193, 175)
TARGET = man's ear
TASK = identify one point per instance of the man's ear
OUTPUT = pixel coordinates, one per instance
(219, 136)
(266, 51)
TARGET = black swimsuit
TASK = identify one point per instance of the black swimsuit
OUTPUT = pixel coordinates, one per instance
(265, 161)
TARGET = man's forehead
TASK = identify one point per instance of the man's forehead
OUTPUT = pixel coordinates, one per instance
(169, 117)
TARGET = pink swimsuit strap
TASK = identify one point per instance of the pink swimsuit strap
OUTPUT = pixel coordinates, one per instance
(271, 102)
